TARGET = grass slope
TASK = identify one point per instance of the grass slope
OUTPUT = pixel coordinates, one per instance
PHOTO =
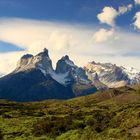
(109, 115)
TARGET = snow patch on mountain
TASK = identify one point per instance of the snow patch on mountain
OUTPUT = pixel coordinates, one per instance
(40, 61)
(131, 72)
(60, 78)
(75, 73)
(112, 75)
(1, 75)
(102, 75)
(69, 62)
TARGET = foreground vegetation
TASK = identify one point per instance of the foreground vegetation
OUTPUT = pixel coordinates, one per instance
(109, 115)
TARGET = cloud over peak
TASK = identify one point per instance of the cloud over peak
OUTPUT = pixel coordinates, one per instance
(82, 42)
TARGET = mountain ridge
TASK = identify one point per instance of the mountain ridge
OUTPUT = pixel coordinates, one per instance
(35, 79)
(112, 75)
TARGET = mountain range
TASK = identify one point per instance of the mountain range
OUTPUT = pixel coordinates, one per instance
(35, 79)
(111, 75)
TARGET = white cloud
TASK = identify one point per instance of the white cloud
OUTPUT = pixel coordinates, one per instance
(137, 1)
(124, 9)
(103, 35)
(109, 14)
(34, 35)
(64, 38)
(8, 61)
(137, 20)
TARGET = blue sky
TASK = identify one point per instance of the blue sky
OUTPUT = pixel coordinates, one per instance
(87, 29)
(63, 10)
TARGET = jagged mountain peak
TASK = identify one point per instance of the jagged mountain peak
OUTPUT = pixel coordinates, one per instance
(66, 57)
(35, 79)
(74, 73)
(101, 67)
(26, 56)
(40, 61)
(24, 61)
(64, 65)
(44, 53)
(75, 80)
(113, 75)
(68, 61)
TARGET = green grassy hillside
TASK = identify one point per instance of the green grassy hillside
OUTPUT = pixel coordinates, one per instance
(109, 115)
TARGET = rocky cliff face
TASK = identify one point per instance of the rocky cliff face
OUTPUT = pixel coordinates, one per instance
(76, 76)
(34, 79)
(41, 61)
(111, 75)
(65, 65)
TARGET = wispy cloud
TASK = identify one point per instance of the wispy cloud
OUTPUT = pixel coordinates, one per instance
(104, 35)
(62, 38)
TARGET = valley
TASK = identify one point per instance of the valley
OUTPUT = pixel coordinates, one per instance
(112, 114)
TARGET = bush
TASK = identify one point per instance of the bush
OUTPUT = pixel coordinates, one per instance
(54, 126)
(1, 135)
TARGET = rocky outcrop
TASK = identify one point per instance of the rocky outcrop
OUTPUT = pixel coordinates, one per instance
(111, 75)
